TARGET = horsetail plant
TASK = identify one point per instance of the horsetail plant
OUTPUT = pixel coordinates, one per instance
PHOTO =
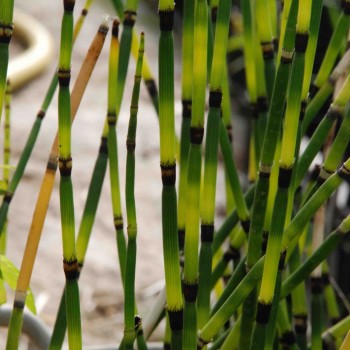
(44, 195)
(168, 172)
(190, 279)
(32, 137)
(130, 264)
(6, 31)
(211, 159)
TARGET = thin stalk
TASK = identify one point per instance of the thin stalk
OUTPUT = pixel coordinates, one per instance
(186, 97)
(211, 159)
(6, 31)
(112, 147)
(290, 235)
(168, 172)
(336, 111)
(7, 157)
(339, 33)
(320, 97)
(289, 139)
(337, 331)
(190, 279)
(32, 137)
(70, 264)
(84, 232)
(47, 184)
(130, 264)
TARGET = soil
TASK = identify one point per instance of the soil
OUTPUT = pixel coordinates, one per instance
(100, 284)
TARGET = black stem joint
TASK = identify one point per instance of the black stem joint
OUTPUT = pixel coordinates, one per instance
(63, 76)
(301, 40)
(196, 135)
(71, 269)
(166, 20)
(68, 5)
(284, 177)
(65, 166)
(6, 31)
(168, 172)
(263, 313)
(186, 108)
(129, 18)
(176, 319)
(207, 233)
(215, 98)
(190, 291)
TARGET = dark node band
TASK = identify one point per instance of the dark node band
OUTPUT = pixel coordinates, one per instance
(215, 98)
(111, 118)
(287, 56)
(84, 12)
(300, 323)
(207, 233)
(151, 87)
(344, 173)
(70, 269)
(302, 110)
(166, 20)
(65, 166)
(264, 174)
(346, 7)
(41, 114)
(245, 225)
(51, 165)
(284, 177)
(190, 291)
(137, 321)
(316, 285)
(333, 114)
(168, 174)
(176, 320)
(282, 261)
(214, 14)
(115, 28)
(325, 279)
(301, 40)
(264, 241)
(313, 90)
(118, 222)
(166, 346)
(80, 267)
(103, 29)
(69, 5)
(19, 304)
(196, 135)
(253, 106)
(103, 146)
(130, 145)
(129, 18)
(7, 197)
(229, 131)
(315, 172)
(263, 313)
(232, 253)
(6, 31)
(186, 108)
(63, 76)
(288, 338)
(267, 50)
(261, 104)
(181, 238)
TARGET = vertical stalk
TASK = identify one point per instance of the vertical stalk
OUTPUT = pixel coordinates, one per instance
(6, 31)
(25, 155)
(214, 127)
(47, 184)
(130, 264)
(200, 39)
(168, 172)
(187, 75)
